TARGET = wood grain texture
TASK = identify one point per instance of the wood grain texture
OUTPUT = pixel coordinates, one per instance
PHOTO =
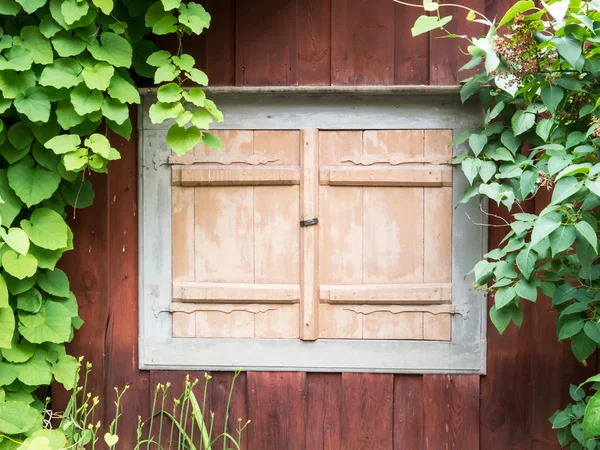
(411, 54)
(219, 43)
(506, 420)
(367, 414)
(309, 236)
(436, 410)
(409, 421)
(464, 412)
(324, 411)
(445, 55)
(266, 43)
(277, 408)
(362, 51)
(314, 42)
(122, 326)
(87, 269)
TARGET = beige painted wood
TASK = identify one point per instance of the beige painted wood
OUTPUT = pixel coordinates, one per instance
(339, 147)
(236, 176)
(385, 325)
(184, 260)
(408, 176)
(237, 145)
(280, 323)
(277, 234)
(340, 235)
(392, 235)
(438, 146)
(278, 146)
(235, 292)
(438, 235)
(437, 327)
(416, 293)
(378, 265)
(337, 322)
(218, 324)
(309, 205)
(225, 234)
(184, 325)
(394, 144)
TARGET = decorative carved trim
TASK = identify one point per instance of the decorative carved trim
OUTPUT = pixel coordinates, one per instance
(189, 308)
(225, 160)
(393, 309)
(367, 160)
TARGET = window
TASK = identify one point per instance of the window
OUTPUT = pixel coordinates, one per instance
(323, 238)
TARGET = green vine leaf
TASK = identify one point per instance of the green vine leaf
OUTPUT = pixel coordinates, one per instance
(16, 239)
(122, 90)
(181, 139)
(7, 327)
(32, 184)
(34, 104)
(46, 229)
(37, 45)
(64, 143)
(55, 328)
(106, 6)
(86, 101)
(194, 17)
(112, 49)
(63, 73)
(54, 282)
(19, 266)
(98, 76)
(17, 418)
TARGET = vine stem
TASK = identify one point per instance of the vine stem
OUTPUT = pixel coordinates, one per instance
(449, 5)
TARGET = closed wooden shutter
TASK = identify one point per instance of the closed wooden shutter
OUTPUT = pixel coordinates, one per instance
(249, 261)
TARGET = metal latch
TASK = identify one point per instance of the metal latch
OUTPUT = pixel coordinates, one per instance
(309, 223)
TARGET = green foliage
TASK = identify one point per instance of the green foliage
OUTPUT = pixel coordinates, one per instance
(66, 80)
(539, 86)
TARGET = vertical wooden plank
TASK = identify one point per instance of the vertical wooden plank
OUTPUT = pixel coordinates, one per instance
(446, 56)
(184, 257)
(122, 330)
(224, 234)
(184, 325)
(392, 235)
(505, 410)
(276, 234)
(280, 147)
(87, 269)
(314, 42)
(464, 412)
(219, 61)
(309, 205)
(409, 420)
(362, 45)
(495, 9)
(436, 410)
(281, 323)
(437, 235)
(218, 324)
(552, 366)
(411, 54)
(367, 413)
(324, 411)
(437, 327)
(266, 43)
(336, 322)
(277, 408)
(341, 235)
(218, 390)
(385, 325)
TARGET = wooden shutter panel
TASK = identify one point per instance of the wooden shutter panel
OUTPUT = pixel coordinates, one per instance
(385, 250)
(377, 266)
(236, 258)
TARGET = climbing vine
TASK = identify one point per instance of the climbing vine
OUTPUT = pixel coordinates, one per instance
(67, 78)
(539, 84)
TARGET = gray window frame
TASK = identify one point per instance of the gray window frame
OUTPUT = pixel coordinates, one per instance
(322, 108)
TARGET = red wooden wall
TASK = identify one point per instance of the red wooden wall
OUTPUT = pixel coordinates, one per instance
(319, 42)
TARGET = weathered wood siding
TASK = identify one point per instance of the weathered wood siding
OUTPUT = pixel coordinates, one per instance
(318, 42)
